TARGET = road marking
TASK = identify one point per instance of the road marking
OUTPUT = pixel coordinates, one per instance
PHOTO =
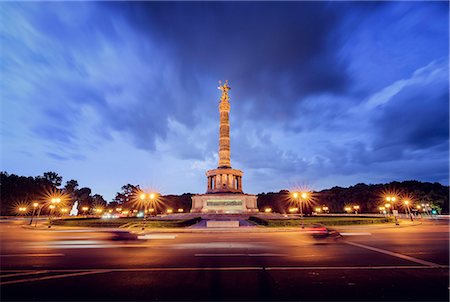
(156, 236)
(401, 256)
(23, 274)
(355, 234)
(34, 255)
(294, 268)
(241, 255)
(55, 277)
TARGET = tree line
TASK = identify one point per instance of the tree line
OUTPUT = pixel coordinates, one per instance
(368, 197)
(16, 190)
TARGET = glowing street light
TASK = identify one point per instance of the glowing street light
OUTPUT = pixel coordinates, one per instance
(148, 198)
(392, 199)
(293, 210)
(304, 196)
(84, 209)
(35, 206)
(268, 210)
(356, 208)
(52, 208)
(180, 210)
(407, 209)
(348, 209)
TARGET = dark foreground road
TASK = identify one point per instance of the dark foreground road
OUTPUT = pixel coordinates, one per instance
(369, 263)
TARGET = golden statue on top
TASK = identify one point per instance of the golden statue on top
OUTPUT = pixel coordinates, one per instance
(225, 88)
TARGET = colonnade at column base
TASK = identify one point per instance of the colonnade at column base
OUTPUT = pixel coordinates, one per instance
(224, 180)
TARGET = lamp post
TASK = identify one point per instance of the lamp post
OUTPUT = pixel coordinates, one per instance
(407, 209)
(54, 202)
(22, 210)
(84, 209)
(300, 197)
(387, 206)
(146, 199)
(38, 214)
(52, 208)
(35, 205)
(392, 199)
(356, 208)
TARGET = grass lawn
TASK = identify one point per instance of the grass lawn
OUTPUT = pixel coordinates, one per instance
(328, 221)
(117, 222)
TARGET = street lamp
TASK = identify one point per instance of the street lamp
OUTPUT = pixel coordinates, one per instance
(407, 209)
(54, 202)
(388, 206)
(35, 205)
(300, 197)
(392, 199)
(146, 199)
(84, 209)
(22, 210)
(52, 208)
(356, 208)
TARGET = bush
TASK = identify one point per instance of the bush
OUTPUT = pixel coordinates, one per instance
(117, 222)
(329, 221)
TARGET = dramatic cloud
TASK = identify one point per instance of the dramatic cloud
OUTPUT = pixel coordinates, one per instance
(323, 93)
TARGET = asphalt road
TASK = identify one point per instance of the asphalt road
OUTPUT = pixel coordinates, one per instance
(369, 263)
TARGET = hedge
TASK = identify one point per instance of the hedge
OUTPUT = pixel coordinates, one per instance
(319, 220)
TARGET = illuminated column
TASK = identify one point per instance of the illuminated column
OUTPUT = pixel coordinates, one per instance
(224, 132)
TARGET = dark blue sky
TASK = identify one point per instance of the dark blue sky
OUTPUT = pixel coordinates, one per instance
(323, 93)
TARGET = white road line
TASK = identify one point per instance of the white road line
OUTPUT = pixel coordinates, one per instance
(55, 277)
(355, 234)
(23, 274)
(241, 255)
(34, 255)
(156, 236)
(401, 256)
(294, 268)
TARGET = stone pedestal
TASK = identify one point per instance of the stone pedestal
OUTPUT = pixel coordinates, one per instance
(224, 203)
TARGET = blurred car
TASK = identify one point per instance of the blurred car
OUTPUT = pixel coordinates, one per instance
(123, 235)
(319, 231)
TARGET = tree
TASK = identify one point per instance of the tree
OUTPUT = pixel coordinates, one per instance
(83, 195)
(53, 178)
(98, 201)
(125, 197)
(71, 186)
